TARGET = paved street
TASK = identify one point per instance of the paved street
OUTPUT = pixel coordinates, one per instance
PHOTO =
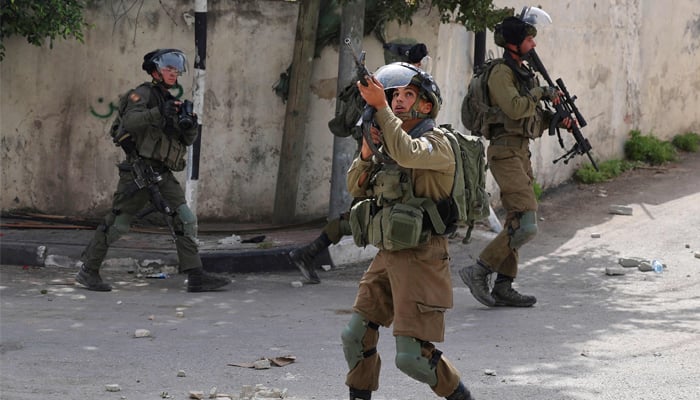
(590, 336)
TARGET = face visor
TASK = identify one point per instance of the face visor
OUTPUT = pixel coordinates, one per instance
(174, 61)
(535, 17)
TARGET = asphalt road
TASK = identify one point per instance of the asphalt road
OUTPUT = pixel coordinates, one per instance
(590, 336)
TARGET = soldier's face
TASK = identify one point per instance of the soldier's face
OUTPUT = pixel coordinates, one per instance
(403, 99)
(169, 75)
(528, 44)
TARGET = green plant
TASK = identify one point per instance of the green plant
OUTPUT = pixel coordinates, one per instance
(607, 170)
(689, 141)
(38, 20)
(649, 149)
(537, 188)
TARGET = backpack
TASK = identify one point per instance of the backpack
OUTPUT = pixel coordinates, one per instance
(477, 112)
(348, 111)
(469, 189)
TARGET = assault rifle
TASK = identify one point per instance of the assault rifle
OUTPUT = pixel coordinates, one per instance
(146, 177)
(566, 108)
(368, 112)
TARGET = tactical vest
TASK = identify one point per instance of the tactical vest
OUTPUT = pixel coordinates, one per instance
(157, 143)
(393, 218)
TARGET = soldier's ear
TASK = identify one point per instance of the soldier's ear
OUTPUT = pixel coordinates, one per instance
(425, 106)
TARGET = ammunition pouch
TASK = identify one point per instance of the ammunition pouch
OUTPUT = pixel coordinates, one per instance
(391, 228)
(160, 147)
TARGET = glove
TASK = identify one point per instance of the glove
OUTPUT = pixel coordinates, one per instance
(169, 109)
(550, 92)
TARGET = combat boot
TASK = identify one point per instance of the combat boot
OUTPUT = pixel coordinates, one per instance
(303, 257)
(461, 393)
(476, 277)
(90, 278)
(506, 296)
(357, 394)
(200, 281)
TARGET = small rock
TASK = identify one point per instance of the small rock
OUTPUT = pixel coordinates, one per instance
(194, 394)
(180, 314)
(113, 387)
(139, 333)
(297, 284)
(620, 210)
(645, 266)
(697, 254)
(262, 364)
(326, 267)
(489, 372)
(629, 262)
(212, 393)
(595, 235)
(181, 373)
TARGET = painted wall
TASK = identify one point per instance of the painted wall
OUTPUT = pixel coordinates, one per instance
(632, 63)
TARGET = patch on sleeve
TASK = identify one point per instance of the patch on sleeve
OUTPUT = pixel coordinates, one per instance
(134, 97)
(430, 145)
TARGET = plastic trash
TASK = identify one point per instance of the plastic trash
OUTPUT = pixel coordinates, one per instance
(657, 266)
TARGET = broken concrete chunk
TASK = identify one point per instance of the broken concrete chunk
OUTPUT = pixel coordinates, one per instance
(645, 266)
(262, 364)
(113, 387)
(490, 372)
(629, 262)
(697, 254)
(297, 284)
(620, 210)
(181, 373)
(595, 235)
(195, 394)
(139, 333)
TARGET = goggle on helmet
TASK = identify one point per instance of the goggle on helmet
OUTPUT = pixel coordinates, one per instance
(400, 74)
(165, 58)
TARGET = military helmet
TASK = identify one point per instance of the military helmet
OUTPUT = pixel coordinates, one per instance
(514, 30)
(161, 58)
(400, 74)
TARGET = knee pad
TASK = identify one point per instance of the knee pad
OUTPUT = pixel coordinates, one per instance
(188, 220)
(409, 359)
(526, 231)
(354, 340)
(116, 226)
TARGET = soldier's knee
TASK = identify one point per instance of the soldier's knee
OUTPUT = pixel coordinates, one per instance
(354, 340)
(526, 231)
(116, 226)
(411, 362)
(188, 220)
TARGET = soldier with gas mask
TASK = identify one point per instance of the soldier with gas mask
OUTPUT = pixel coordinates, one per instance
(514, 90)
(404, 166)
(154, 129)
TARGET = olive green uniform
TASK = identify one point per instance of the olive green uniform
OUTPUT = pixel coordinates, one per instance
(508, 157)
(410, 288)
(163, 145)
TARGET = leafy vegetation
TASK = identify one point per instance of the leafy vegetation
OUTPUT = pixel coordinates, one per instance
(689, 141)
(537, 188)
(649, 149)
(39, 20)
(608, 170)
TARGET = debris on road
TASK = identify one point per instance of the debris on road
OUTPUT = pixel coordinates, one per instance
(620, 210)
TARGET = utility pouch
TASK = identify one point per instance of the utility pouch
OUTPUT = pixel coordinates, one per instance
(360, 220)
(401, 227)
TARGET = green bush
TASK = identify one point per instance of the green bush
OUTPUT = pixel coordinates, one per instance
(649, 149)
(608, 170)
(689, 141)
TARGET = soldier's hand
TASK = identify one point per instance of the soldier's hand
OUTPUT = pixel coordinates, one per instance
(373, 93)
(127, 143)
(170, 108)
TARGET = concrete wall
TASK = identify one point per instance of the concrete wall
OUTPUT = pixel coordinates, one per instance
(632, 63)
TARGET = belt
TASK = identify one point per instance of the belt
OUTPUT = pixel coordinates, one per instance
(510, 141)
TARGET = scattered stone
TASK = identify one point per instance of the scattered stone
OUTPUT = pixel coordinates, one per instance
(687, 246)
(44, 291)
(180, 314)
(489, 372)
(151, 317)
(262, 364)
(595, 235)
(113, 387)
(181, 373)
(212, 393)
(139, 333)
(629, 262)
(697, 254)
(645, 266)
(326, 267)
(612, 271)
(194, 394)
(620, 210)
(297, 284)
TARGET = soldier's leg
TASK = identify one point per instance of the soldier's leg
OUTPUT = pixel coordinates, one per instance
(360, 339)
(423, 362)
(184, 224)
(332, 232)
(115, 224)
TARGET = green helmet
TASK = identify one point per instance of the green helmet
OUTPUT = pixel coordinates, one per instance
(514, 30)
(400, 74)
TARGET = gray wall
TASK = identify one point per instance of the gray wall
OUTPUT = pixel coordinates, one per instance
(632, 63)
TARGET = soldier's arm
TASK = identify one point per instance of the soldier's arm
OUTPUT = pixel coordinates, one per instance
(137, 116)
(505, 95)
